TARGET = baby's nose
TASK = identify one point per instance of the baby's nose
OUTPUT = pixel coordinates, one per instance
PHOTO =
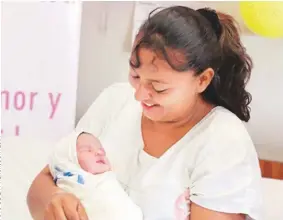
(100, 152)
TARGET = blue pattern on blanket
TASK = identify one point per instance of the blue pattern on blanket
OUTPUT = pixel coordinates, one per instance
(59, 174)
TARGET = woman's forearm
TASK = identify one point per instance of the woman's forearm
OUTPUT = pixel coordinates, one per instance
(40, 193)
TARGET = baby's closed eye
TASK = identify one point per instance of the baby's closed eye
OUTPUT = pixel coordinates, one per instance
(85, 148)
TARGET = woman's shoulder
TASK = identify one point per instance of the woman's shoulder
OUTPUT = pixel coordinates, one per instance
(116, 95)
(222, 132)
(110, 102)
(120, 87)
(223, 123)
(119, 90)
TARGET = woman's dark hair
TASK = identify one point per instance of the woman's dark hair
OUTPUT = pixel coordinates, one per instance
(196, 40)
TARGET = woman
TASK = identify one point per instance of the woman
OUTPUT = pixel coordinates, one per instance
(176, 137)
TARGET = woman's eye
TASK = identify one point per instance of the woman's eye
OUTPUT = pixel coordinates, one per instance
(159, 90)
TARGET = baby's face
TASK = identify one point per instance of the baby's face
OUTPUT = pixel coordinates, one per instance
(92, 156)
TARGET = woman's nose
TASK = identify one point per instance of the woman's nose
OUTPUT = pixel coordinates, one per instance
(142, 93)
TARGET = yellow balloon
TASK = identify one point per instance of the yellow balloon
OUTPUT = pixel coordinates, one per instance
(263, 18)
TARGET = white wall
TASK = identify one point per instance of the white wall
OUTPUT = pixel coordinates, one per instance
(105, 47)
(266, 122)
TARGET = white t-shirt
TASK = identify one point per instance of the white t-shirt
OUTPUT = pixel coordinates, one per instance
(216, 159)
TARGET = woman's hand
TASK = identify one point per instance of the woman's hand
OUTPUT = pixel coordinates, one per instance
(65, 206)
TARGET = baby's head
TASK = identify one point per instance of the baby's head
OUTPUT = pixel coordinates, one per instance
(91, 155)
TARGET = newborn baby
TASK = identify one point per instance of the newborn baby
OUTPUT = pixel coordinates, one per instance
(88, 175)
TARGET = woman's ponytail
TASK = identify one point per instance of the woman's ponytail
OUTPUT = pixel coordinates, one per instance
(234, 71)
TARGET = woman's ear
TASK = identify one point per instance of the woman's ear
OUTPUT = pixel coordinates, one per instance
(204, 79)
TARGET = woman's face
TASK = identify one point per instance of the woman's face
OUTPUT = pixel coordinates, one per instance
(165, 94)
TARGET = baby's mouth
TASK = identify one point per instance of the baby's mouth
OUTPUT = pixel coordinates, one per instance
(100, 161)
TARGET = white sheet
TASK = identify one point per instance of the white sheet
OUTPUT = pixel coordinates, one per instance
(273, 199)
(22, 159)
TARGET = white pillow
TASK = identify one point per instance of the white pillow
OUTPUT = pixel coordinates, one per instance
(22, 160)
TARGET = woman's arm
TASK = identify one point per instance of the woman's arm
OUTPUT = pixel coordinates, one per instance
(40, 193)
(47, 202)
(198, 212)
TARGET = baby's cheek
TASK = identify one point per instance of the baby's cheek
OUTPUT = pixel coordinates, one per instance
(86, 161)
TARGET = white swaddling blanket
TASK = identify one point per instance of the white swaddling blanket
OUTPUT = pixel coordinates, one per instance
(102, 195)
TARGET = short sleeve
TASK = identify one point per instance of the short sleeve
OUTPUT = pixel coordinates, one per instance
(227, 175)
